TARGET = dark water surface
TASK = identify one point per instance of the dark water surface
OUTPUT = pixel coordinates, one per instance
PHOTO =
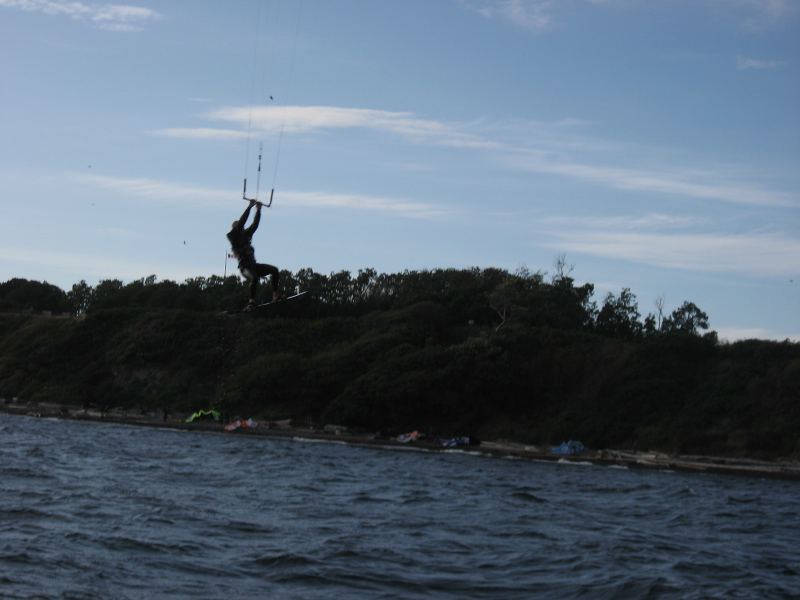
(92, 510)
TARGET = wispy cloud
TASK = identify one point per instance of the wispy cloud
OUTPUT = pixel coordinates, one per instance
(116, 233)
(544, 148)
(156, 190)
(542, 15)
(755, 254)
(743, 64)
(78, 265)
(111, 17)
(649, 222)
(176, 193)
(761, 14)
(304, 119)
(201, 133)
(534, 15)
(361, 202)
(675, 181)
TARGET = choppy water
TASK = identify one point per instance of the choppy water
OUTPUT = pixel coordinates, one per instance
(91, 510)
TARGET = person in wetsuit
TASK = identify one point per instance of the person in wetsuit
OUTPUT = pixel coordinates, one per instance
(240, 238)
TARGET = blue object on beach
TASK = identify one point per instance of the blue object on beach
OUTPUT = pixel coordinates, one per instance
(456, 441)
(568, 448)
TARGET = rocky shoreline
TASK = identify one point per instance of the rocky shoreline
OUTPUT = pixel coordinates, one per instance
(500, 448)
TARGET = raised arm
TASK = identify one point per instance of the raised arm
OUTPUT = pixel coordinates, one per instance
(251, 230)
(243, 219)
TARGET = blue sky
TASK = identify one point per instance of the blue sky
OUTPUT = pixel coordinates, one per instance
(654, 143)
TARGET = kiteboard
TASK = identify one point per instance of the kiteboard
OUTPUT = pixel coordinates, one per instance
(266, 306)
(276, 307)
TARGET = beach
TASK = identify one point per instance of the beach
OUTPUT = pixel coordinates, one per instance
(623, 458)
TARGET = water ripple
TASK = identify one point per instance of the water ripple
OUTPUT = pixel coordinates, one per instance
(92, 510)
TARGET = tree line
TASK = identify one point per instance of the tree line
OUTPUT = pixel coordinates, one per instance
(479, 352)
(482, 296)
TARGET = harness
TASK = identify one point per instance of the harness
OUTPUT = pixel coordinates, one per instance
(242, 248)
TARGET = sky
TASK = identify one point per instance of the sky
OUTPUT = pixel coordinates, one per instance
(652, 144)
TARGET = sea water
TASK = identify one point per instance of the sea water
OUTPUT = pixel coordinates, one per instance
(94, 510)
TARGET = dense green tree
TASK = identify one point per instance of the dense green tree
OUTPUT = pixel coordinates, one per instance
(619, 316)
(80, 297)
(687, 318)
(22, 294)
(106, 293)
